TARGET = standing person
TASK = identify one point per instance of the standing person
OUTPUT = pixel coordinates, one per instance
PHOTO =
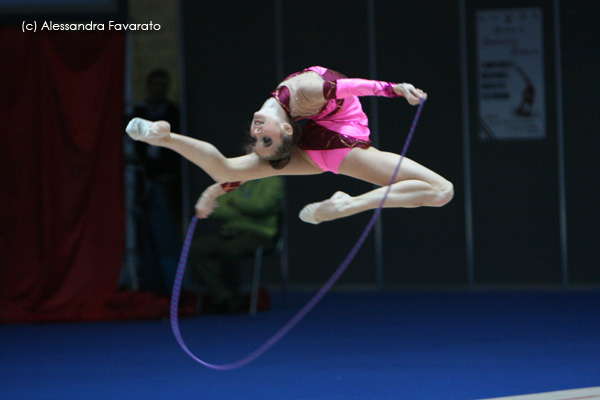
(335, 139)
(159, 200)
(249, 219)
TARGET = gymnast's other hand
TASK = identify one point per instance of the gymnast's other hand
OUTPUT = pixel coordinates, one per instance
(153, 133)
(208, 201)
(413, 95)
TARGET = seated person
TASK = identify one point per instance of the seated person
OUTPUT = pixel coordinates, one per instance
(250, 219)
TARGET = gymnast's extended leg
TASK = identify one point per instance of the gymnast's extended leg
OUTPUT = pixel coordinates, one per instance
(415, 186)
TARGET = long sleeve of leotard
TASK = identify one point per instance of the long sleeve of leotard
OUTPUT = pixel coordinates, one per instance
(361, 87)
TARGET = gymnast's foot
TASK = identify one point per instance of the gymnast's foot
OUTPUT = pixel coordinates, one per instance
(148, 131)
(333, 208)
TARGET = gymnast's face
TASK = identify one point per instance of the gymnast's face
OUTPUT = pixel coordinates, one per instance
(266, 132)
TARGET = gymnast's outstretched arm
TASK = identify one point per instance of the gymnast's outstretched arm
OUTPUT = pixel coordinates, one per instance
(365, 87)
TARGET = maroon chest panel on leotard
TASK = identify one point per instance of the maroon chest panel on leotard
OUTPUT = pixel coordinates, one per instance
(317, 137)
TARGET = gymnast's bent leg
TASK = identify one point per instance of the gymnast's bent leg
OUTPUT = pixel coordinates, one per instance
(415, 186)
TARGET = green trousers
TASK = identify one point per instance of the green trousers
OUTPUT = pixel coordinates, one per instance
(215, 261)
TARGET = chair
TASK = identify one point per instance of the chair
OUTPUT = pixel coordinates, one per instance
(280, 248)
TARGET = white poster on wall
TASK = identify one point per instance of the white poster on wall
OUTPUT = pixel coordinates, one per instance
(510, 74)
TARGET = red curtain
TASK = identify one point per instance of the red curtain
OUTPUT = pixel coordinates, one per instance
(62, 202)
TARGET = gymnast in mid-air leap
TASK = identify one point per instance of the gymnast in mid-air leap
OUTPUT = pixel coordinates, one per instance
(335, 138)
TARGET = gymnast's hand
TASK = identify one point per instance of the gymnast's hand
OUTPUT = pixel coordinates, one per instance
(412, 94)
(208, 201)
(147, 131)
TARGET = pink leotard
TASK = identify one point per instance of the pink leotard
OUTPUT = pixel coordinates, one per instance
(341, 125)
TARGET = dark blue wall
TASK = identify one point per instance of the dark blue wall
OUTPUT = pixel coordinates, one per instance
(229, 66)
(580, 20)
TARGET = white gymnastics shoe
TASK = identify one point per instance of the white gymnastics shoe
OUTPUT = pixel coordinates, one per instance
(333, 208)
(148, 131)
(138, 129)
(307, 214)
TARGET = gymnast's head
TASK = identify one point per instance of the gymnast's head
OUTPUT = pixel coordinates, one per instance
(273, 139)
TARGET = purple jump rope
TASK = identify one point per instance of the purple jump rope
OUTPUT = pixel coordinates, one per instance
(312, 302)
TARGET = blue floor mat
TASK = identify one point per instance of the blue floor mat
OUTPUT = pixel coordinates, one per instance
(354, 345)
